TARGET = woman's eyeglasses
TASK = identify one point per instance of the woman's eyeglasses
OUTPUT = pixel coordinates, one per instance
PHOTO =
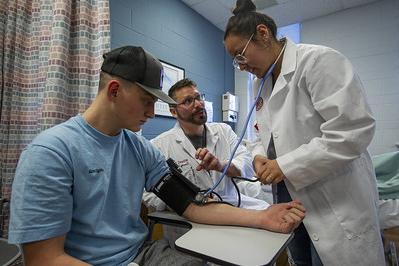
(240, 59)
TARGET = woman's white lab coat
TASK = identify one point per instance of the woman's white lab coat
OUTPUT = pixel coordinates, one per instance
(220, 141)
(322, 125)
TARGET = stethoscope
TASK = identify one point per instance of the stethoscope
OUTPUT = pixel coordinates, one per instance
(265, 77)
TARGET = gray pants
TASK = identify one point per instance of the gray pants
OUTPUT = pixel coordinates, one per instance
(159, 252)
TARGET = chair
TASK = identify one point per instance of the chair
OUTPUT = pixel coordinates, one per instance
(391, 245)
(387, 172)
(263, 247)
(155, 225)
(10, 254)
(155, 230)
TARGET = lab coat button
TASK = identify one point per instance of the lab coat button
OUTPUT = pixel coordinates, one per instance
(275, 135)
(350, 236)
(315, 237)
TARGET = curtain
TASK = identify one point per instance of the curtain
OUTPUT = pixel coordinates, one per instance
(51, 52)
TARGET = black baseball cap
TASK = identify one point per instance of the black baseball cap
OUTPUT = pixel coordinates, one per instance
(137, 65)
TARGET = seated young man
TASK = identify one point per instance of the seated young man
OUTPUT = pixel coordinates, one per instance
(77, 190)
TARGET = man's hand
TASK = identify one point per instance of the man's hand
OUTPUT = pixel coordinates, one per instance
(283, 217)
(268, 171)
(208, 161)
(211, 162)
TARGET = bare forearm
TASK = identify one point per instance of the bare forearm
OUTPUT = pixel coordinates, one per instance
(50, 251)
(282, 218)
(222, 214)
(65, 259)
(59, 260)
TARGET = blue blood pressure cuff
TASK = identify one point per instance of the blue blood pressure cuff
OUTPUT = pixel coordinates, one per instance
(176, 190)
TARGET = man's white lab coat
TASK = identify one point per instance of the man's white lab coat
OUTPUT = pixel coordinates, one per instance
(220, 141)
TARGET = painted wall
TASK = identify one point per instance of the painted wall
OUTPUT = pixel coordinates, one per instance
(178, 35)
(369, 37)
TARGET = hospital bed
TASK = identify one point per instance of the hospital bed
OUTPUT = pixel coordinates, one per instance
(387, 173)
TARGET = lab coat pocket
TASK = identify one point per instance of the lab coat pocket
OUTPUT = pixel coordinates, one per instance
(188, 172)
(350, 205)
(192, 174)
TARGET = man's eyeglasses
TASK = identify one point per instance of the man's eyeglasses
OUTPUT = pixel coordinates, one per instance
(189, 100)
(240, 59)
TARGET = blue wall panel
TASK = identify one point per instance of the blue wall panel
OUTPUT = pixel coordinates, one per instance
(178, 35)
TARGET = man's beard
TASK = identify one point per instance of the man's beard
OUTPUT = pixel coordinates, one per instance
(199, 117)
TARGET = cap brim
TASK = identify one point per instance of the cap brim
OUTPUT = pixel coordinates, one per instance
(158, 93)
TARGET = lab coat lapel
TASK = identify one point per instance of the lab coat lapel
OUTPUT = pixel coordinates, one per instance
(288, 66)
(275, 100)
(188, 148)
(184, 142)
(212, 138)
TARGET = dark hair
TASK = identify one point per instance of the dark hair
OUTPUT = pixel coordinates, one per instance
(103, 80)
(180, 84)
(106, 77)
(246, 19)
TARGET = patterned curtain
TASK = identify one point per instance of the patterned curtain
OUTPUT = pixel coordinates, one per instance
(51, 52)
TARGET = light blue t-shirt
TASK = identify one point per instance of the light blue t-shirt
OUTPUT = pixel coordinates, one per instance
(74, 180)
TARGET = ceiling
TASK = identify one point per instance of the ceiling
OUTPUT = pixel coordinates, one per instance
(284, 12)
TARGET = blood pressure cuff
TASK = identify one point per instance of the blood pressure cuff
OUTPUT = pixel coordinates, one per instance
(176, 190)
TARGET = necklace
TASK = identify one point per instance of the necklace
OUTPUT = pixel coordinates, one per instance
(282, 50)
(278, 58)
(204, 137)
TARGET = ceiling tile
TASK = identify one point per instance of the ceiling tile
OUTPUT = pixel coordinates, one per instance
(212, 10)
(192, 2)
(285, 13)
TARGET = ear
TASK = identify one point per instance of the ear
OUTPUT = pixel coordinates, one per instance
(172, 110)
(113, 89)
(263, 32)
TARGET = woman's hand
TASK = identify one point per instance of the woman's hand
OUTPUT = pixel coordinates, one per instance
(268, 171)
